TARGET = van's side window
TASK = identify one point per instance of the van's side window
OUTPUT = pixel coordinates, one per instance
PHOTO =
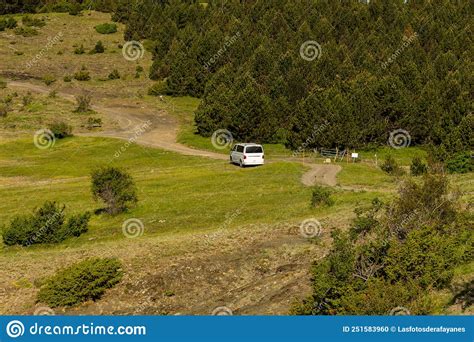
(240, 148)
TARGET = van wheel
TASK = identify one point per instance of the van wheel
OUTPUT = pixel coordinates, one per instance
(230, 160)
(241, 164)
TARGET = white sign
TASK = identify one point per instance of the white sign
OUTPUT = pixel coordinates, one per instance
(355, 155)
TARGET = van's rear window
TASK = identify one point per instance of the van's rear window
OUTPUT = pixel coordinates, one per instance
(253, 149)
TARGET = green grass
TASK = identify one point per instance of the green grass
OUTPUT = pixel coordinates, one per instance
(187, 193)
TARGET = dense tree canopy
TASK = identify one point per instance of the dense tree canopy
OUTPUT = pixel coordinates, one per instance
(378, 67)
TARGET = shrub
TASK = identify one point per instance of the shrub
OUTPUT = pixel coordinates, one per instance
(25, 31)
(28, 20)
(49, 79)
(321, 195)
(61, 130)
(106, 28)
(417, 167)
(98, 48)
(114, 75)
(3, 84)
(159, 88)
(460, 163)
(80, 282)
(67, 78)
(79, 50)
(27, 99)
(74, 9)
(76, 225)
(83, 103)
(52, 94)
(94, 122)
(44, 225)
(4, 108)
(82, 75)
(114, 187)
(372, 268)
(391, 167)
(7, 23)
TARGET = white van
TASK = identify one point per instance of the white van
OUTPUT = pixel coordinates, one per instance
(247, 154)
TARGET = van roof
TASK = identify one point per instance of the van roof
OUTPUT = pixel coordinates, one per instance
(248, 144)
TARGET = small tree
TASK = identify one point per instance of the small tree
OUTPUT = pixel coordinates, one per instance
(115, 187)
(391, 167)
(79, 50)
(83, 103)
(98, 48)
(417, 167)
(60, 129)
(114, 75)
(321, 195)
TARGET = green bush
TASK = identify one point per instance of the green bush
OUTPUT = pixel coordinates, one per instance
(417, 167)
(83, 103)
(45, 225)
(98, 48)
(159, 88)
(460, 163)
(106, 28)
(114, 187)
(79, 50)
(7, 23)
(321, 195)
(3, 84)
(80, 282)
(60, 130)
(391, 167)
(82, 75)
(114, 75)
(26, 31)
(94, 122)
(67, 78)
(74, 9)
(27, 99)
(4, 108)
(393, 255)
(28, 20)
(49, 79)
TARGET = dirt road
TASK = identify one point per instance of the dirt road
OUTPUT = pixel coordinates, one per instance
(161, 132)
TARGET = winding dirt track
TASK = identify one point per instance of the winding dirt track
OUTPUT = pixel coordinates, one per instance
(162, 132)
